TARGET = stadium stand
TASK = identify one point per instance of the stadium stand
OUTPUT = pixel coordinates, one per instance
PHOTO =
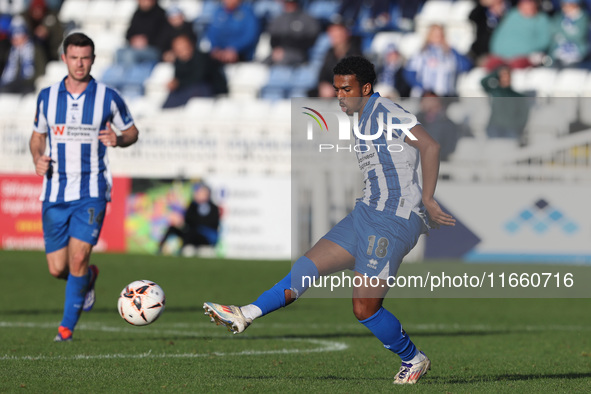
(255, 113)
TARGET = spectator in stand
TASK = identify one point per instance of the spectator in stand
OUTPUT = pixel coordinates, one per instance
(570, 27)
(434, 118)
(144, 35)
(201, 221)
(234, 32)
(436, 67)
(521, 39)
(25, 63)
(176, 26)
(486, 16)
(293, 33)
(390, 72)
(195, 74)
(47, 30)
(342, 45)
(509, 109)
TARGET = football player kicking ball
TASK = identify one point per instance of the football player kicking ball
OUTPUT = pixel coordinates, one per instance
(383, 227)
(75, 115)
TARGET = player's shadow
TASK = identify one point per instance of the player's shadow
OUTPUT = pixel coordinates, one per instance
(307, 379)
(336, 335)
(505, 378)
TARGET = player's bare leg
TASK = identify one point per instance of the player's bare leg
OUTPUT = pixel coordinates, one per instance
(57, 263)
(367, 300)
(367, 307)
(328, 257)
(324, 258)
(78, 256)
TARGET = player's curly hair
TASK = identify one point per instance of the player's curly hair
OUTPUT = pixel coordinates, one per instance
(359, 66)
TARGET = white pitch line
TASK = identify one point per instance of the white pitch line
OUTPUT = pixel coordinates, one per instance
(323, 346)
(190, 329)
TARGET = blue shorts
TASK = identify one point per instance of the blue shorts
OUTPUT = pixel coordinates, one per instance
(378, 240)
(80, 219)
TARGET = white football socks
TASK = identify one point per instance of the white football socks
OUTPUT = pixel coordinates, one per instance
(417, 358)
(251, 311)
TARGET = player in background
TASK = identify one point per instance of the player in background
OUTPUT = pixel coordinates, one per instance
(75, 116)
(383, 227)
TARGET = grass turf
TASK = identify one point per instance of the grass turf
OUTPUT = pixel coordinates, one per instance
(476, 345)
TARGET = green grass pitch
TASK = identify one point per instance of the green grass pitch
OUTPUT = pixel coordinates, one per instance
(315, 345)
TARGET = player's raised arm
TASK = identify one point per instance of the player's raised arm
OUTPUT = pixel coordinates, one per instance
(37, 147)
(429, 150)
(128, 136)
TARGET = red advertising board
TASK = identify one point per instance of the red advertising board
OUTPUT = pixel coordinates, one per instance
(20, 214)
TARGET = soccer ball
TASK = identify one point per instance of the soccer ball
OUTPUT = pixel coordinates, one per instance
(141, 302)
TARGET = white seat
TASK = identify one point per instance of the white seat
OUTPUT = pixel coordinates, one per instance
(381, 41)
(10, 103)
(468, 84)
(99, 13)
(469, 150)
(74, 10)
(161, 73)
(570, 83)
(191, 8)
(107, 43)
(541, 79)
(246, 79)
(460, 10)
(548, 120)
(155, 84)
(56, 70)
(434, 12)
(123, 11)
(460, 36)
(199, 107)
(410, 44)
(519, 79)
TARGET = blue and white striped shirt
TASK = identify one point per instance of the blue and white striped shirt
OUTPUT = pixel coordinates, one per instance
(391, 178)
(79, 162)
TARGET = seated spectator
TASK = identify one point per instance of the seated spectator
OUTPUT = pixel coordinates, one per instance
(144, 35)
(342, 45)
(509, 109)
(176, 26)
(25, 63)
(234, 32)
(486, 16)
(521, 39)
(570, 29)
(293, 33)
(195, 74)
(47, 30)
(434, 118)
(201, 221)
(390, 72)
(436, 67)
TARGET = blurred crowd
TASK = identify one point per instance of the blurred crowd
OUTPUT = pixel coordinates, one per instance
(307, 38)
(303, 33)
